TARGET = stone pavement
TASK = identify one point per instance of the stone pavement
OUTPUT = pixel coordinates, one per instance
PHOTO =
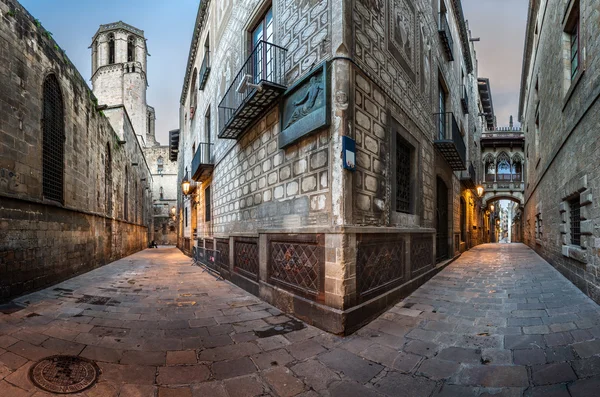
(499, 321)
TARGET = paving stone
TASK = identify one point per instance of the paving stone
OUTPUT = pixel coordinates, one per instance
(351, 389)
(174, 392)
(393, 382)
(549, 374)
(587, 349)
(229, 352)
(272, 358)
(436, 369)
(496, 356)
(581, 335)
(523, 341)
(305, 349)
(561, 327)
(181, 357)
(421, 348)
(233, 368)
(524, 322)
(209, 389)
(29, 351)
(20, 378)
(350, 364)
(143, 358)
(95, 353)
(584, 388)
(559, 353)
(12, 361)
(448, 390)
(587, 367)
(182, 375)
(461, 355)
(529, 356)
(131, 390)
(536, 330)
(6, 389)
(272, 342)
(550, 391)
(283, 381)
(126, 374)
(424, 335)
(246, 386)
(314, 374)
(7, 340)
(220, 330)
(494, 376)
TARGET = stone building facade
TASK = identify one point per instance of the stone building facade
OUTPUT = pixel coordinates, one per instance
(559, 110)
(74, 187)
(326, 182)
(119, 79)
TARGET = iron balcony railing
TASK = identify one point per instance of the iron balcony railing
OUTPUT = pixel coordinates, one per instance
(202, 163)
(469, 178)
(253, 91)
(449, 141)
(204, 70)
(446, 36)
(464, 100)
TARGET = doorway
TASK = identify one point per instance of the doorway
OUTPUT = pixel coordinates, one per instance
(441, 224)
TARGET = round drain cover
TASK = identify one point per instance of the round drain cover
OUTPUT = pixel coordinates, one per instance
(64, 374)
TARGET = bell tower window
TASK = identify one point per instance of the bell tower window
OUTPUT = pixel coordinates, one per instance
(130, 49)
(111, 48)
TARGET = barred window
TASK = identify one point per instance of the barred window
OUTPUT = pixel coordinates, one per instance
(403, 172)
(207, 204)
(126, 195)
(53, 135)
(160, 164)
(108, 180)
(575, 219)
(162, 193)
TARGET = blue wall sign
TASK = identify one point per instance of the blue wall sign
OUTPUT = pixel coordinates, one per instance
(349, 153)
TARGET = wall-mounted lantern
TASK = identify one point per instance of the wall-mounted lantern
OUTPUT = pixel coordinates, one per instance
(492, 207)
(186, 185)
(479, 189)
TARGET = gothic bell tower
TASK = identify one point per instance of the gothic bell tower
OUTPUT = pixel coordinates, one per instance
(119, 61)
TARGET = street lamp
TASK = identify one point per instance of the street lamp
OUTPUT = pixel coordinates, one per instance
(173, 209)
(186, 185)
(479, 190)
(492, 207)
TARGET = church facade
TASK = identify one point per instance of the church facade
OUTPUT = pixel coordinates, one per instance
(328, 155)
(75, 187)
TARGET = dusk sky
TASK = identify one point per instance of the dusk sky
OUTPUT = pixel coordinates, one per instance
(168, 29)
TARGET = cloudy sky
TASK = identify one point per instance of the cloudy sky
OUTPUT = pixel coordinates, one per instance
(168, 28)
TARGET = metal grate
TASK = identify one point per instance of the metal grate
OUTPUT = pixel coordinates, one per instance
(380, 262)
(402, 175)
(246, 257)
(223, 253)
(64, 374)
(53, 125)
(575, 210)
(421, 254)
(297, 266)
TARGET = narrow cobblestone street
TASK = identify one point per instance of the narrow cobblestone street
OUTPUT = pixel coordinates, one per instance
(498, 321)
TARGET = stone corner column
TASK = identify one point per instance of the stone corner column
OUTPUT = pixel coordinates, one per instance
(340, 271)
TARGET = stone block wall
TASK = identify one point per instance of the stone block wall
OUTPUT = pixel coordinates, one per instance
(563, 157)
(41, 241)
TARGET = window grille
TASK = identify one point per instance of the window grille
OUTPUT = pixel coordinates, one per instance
(575, 212)
(207, 204)
(162, 193)
(575, 50)
(402, 175)
(53, 126)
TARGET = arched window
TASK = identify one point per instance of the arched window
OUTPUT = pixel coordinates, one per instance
(111, 48)
(162, 193)
(490, 168)
(95, 56)
(126, 195)
(130, 49)
(108, 180)
(193, 94)
(503, 167)
(53, 135)
(160, 164)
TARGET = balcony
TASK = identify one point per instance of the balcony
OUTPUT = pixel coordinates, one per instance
(464, 100)
(504, 182)
(468, 178)
(449, 141)
(254, 90)
(204, 71)
(446, 36)
(202, 163)
(173, 145)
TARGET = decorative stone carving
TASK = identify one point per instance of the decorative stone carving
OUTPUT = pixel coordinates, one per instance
(401, 29)
(305, 107)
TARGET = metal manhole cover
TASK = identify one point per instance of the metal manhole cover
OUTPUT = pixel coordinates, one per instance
(64, 374)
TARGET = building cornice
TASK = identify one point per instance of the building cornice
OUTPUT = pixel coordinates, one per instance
(198, 27)
(527, 52)
(464, 36)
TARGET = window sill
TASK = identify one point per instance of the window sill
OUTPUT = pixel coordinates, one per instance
(572, 88)
(575, 252)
